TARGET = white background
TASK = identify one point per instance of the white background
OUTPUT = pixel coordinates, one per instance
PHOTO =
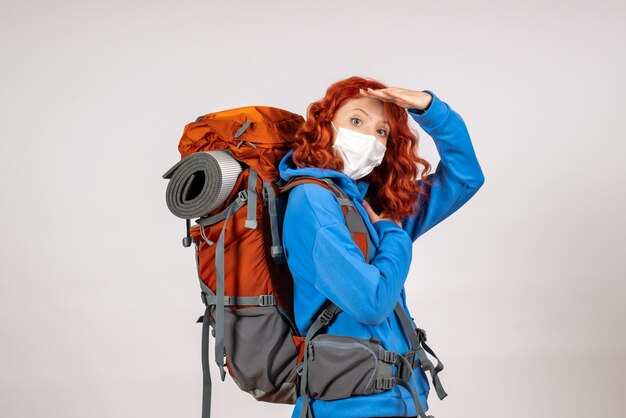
(521, 291)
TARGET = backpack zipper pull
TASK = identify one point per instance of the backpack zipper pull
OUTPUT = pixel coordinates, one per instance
(311, 353)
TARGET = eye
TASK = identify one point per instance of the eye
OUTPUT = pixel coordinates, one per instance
(384, 133)
(353, 119)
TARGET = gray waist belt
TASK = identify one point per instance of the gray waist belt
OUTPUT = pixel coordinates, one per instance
(337, 367)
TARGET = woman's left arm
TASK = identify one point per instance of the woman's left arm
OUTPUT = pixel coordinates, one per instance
(458, 175)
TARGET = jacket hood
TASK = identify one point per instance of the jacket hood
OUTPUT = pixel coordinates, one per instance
(354, 189)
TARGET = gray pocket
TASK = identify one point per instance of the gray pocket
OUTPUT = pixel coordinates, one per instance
(341, 366)
(260, 352)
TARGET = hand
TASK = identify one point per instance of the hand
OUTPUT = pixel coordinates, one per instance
(374, 217)
(408, 99)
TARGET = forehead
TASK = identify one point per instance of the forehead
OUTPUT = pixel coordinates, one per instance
(373, 107)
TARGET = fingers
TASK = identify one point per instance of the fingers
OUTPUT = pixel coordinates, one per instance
(377, 217)
(370, 212)
(390, 94)
(380, 93)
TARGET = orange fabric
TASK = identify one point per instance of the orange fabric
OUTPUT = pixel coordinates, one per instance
(248, 267)
(271, 132)
(246, 271)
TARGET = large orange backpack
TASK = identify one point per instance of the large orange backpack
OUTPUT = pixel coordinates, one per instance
(245, 282)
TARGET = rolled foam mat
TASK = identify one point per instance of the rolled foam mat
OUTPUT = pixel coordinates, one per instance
(201, 182)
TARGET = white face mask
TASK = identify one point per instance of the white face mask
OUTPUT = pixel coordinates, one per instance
(360, 152)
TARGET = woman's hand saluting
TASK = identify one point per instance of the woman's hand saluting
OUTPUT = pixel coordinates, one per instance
(408, 99)
(374, 217)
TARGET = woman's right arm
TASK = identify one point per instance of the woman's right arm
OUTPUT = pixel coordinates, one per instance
(458, 175)
(321, 251)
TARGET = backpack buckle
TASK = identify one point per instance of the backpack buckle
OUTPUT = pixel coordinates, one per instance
(389, 357)
(410, 356)
(385, 383)
(266, 300)
(421, 333)
(326, 316)
(404, 372)
(243, 195)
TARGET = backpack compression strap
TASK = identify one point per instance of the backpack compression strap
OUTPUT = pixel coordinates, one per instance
(417, 337)
(328, 311)
(218, 299)
(385, 379)
(354, 221)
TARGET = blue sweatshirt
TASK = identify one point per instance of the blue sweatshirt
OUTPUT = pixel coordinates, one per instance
(326, 263)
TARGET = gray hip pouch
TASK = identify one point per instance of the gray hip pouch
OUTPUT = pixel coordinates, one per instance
(343, 366)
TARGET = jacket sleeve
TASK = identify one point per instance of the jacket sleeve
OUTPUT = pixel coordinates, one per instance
(335, 265)
(458, 175)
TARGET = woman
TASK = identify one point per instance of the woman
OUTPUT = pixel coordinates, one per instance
(358, 136)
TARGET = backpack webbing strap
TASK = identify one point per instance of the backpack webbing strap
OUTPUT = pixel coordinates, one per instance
(242, 129)
(354, 220)
(209, 299)
(418, 337)
(328, 312)
(358, 230)
(211, 220)
(441, 393)
(207, 322)
(251, 191)
(416, 399)
(261, 300)
(251, 222)
(386, 381)
(206, 372)
(277, 249)
(219, 284)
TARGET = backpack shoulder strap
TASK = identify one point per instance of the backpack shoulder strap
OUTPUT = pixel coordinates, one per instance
(353, 218)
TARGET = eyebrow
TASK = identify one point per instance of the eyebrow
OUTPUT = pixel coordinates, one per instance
(356, 108)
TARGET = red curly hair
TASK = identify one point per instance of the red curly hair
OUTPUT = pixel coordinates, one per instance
(394, 187)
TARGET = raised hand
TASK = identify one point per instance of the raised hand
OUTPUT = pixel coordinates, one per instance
(408, 99)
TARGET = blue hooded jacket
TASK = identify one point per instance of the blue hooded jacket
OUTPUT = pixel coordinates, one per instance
(326, 263)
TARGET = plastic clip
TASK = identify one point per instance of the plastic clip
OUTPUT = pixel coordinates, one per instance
(421, 333)
(386, 383)
(325, 317)
(266, 300)
(389, 357)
